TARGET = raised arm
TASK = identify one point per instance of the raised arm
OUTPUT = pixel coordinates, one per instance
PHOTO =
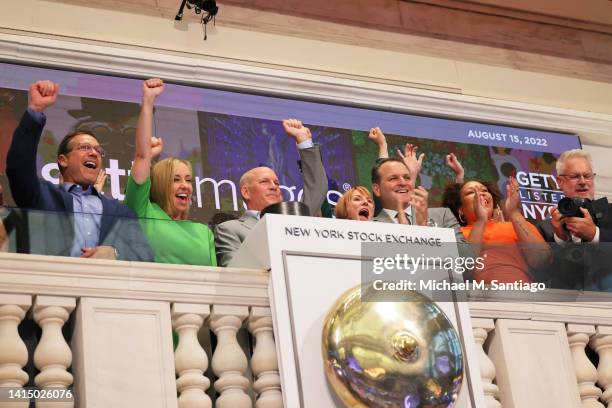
(456, 167)
(21, 158)
(315, 177)
(476, 234)
(533, 246)
(412, 160)
(147, 146)
(378, 137)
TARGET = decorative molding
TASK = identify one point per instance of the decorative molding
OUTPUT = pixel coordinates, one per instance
(65, 276)
(499, 310)
(316, 87)
(587, 312)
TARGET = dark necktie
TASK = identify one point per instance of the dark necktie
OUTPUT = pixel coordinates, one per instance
(407, 218)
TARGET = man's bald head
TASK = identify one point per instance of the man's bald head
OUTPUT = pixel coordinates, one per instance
(259, 188)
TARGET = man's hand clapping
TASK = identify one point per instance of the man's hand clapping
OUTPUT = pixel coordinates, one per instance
(419, 203)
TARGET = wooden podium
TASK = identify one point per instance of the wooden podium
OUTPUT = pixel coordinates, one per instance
(313, 261)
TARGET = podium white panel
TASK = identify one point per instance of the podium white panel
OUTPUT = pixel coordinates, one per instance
(313, 261)
(123, 349)
(534, 365)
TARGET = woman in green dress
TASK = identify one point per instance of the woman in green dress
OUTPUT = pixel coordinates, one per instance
(161, 195)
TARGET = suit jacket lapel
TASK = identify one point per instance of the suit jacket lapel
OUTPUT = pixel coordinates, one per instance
(383, 216)
(107, 221)
(67, 199)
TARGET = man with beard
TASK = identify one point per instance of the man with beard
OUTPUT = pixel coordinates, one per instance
(95, 227)
(259, 188)
(578, 266)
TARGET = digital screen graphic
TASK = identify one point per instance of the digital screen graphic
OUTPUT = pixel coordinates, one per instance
(225, 133)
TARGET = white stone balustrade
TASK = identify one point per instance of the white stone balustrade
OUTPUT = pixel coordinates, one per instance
(264, 361)
(189, 357)
(481, 329)
(125, 310)
(229, 362)
(586, 373)
(13, 351)
(52, 355)
(556, 332)
(601, 342)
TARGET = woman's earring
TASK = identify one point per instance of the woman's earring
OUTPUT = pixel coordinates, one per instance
(461, 219)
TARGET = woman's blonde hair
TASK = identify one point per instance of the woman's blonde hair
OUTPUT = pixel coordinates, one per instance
(341, 211)
(162, 178)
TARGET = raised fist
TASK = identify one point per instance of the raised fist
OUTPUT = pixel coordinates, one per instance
(296, 130)
(377, 136)
(151, 88)
(157, 145)
(42, 95)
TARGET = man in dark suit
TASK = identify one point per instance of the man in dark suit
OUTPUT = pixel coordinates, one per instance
(259, 188)
(578, 266)
(77, 219)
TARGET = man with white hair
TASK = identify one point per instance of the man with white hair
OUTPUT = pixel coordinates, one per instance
(579, 219)
(259, 188)
(576, 179)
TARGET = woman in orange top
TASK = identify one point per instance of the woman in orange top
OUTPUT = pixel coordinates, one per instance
(510, 248)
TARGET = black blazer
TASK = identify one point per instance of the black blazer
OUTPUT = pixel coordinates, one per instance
(580, 266)
(119, 226)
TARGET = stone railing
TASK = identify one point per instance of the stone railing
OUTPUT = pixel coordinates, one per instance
(121, 316)
(537, 356)
(106, 333)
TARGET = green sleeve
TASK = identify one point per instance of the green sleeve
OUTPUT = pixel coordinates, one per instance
(211, 248)
(137, 196)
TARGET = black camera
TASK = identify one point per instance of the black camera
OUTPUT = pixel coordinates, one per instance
(208, 6)
(570, 207)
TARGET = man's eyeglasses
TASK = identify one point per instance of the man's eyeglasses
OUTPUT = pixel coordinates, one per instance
(576, 177)
(86, 147)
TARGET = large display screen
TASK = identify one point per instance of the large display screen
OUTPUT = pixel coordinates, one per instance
(226, 133)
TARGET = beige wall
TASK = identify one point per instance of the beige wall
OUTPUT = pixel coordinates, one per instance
(228, 43)
(84, 23)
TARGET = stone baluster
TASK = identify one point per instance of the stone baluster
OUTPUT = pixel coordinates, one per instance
(189, 357)
(53, 356)
(264, 362)
(586, 374)
(229, 362)
(13, 351)
(602, 344)
(481, 329)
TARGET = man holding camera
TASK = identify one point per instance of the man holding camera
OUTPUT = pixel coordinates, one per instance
(578, 219)
(573, 219)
